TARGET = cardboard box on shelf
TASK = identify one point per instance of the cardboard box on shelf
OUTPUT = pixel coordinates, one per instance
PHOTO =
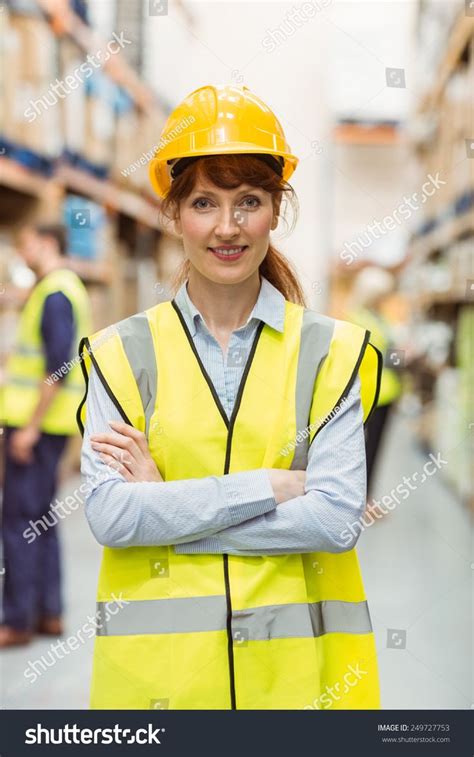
(10, 54)
(101, 93)
(126, 151)
(30, 121)
(458, 101)
(37, 44)
(150, 128)
(30, 110)
(73, 105)
(72, 114)
(462, 174)
(147, 139)
(70, 55)
(98, 131)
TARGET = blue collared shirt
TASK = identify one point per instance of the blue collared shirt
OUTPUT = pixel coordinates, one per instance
(235, 513)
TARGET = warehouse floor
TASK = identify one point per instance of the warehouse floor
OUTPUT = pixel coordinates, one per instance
(417, 570)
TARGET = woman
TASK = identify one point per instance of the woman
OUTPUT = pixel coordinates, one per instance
(229, 577)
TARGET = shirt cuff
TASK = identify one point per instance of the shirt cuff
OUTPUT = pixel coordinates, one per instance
(211, 545)
(248, 494)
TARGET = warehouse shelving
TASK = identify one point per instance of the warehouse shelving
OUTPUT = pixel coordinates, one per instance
(35, 185)
(460, 37)
(441, 251)
(422, 247)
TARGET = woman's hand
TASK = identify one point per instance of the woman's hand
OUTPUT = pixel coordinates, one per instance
(126, 451)
(287, 484)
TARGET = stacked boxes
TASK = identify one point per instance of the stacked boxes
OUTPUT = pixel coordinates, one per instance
(99, 122)
(136, 139)
(88, 110)
(30, 111)
(72, 106)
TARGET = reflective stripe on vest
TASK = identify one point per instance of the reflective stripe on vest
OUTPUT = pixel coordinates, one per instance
(314, 342)
(198, 614)
(138, 344)
(35, 383)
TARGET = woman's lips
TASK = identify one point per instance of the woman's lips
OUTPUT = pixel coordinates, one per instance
(226, 253)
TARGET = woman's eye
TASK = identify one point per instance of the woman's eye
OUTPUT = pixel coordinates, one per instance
(254, 200)
(202, 203)
(196, 203)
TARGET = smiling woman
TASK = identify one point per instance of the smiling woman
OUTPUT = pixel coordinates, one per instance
(213, 224)
(214, 521)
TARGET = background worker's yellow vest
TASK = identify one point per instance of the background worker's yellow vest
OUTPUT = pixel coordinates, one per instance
(390, 384)
(26, 366)
(221, 632)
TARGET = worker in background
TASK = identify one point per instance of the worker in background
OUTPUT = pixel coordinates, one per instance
(40, 397)
(372, 286)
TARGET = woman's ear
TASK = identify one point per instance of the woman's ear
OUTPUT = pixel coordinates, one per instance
(177, 224)
(276, 211)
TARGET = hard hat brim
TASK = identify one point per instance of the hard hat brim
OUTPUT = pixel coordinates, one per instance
(159, 170)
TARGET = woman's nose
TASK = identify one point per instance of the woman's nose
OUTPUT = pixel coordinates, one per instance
(228, 223)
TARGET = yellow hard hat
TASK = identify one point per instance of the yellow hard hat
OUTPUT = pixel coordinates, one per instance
(217, 120)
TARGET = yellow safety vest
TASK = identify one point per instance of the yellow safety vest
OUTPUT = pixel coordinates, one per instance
(26, 365)
(390, 385)
(211, 631)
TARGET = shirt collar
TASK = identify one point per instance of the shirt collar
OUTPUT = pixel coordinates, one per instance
(269, 307)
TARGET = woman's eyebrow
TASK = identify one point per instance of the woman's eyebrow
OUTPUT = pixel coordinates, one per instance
(213, 194)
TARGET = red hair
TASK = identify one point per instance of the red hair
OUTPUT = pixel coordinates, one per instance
(229, 172)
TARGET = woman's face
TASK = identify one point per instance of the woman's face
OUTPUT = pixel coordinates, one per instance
(226, 232)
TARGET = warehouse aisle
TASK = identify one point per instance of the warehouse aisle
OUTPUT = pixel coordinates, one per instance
(65, 682)
(417, 569)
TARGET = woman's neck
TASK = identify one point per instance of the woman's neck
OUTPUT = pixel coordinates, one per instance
(224, 307)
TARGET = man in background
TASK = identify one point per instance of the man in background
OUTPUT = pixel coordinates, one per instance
(43, 389)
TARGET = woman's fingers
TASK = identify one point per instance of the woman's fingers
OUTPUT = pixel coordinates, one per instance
(129, 447)
(132, 433)
(116, 465)
(124, 436)
(119, 454)
(118, 440)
